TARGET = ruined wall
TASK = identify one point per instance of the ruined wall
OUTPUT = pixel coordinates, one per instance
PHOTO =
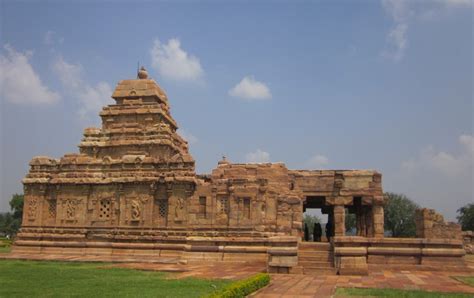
(431, 225)
(468, 241)
(358, 255)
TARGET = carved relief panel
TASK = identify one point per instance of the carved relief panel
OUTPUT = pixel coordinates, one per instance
(49, 210)
(71, 210)
(160, 208)
(32, 208)
(135, 210)
(222, 209)
(103, 205)
(33, 197)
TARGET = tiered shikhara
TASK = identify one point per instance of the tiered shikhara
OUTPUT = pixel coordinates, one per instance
(133, 187)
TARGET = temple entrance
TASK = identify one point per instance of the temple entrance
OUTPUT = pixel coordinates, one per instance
(317, 220)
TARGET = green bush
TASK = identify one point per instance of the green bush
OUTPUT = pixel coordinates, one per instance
(243, 287)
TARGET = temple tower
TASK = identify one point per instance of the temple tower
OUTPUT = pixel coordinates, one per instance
(133, 171)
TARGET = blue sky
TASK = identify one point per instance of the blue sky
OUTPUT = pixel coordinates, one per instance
(383, 85)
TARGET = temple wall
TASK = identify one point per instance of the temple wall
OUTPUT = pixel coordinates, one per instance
(133, 189)
(358, 255)
(468, 241)
(431, 225)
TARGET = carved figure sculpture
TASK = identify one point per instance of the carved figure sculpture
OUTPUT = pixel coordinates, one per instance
(135, 210)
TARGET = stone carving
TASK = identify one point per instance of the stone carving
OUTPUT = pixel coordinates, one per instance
(70, 209)
(179, 209)
(32, 207)
(135, 210)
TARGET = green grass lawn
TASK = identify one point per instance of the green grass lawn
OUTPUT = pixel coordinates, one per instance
(346, 292)
(59, 279)
(5, 245)
(5, 249)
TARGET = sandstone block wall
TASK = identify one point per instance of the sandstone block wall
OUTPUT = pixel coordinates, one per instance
(133, 187)
(431, 225)
(357, 255)
(468, 240)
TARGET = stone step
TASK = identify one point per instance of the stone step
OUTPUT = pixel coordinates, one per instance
(309, 253)
(312, 264)
(317, 258)
(319, 271)
(315, 246)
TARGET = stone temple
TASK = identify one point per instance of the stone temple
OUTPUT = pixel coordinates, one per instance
(132, 192)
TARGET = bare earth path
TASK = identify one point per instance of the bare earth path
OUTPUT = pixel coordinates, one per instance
(290, 285)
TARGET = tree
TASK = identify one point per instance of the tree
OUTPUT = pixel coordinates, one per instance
(310, 220)
(8, 225)
(10, 222)
(400, 215)
(466, 217)
(16, 205)
(350, 221)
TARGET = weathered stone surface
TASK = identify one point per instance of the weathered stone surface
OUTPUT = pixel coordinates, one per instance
(132, 189)
(468, 241)
(431, 225)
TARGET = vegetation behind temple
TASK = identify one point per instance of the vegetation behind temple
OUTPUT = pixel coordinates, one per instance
(10, 222)
(399, 217)
(466, 217)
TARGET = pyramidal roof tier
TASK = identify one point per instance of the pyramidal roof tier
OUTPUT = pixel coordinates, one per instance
(142, 87)
(138, 140)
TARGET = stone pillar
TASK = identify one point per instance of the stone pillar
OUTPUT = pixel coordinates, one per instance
(377, 218)
(339, 220)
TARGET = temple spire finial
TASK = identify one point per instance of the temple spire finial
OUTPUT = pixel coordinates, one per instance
(142, 73)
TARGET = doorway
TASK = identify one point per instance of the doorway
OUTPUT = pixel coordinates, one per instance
(316, 216)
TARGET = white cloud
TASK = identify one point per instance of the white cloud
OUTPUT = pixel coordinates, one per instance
(250, 89)
(448, 164)
(50, 38)
(405, 13)
(172, 62)
(19, 83)
(400, 12)
(442, 180)
(397, 38)
(457, 2)
(69, 74)
(468, 142)
(90, 98)
(258, 156)
(318, 161)
(192, 139)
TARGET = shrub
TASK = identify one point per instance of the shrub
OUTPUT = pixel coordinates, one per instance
(243, 287)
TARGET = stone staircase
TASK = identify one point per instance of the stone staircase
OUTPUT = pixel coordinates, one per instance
(315, 258)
